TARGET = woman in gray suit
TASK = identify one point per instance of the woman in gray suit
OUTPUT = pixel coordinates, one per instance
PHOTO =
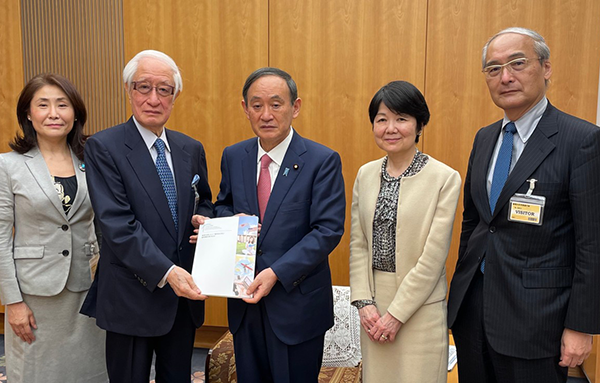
(47, 240)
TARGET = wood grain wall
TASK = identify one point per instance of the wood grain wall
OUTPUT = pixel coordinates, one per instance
(11, 69)
(83, 41)
(216, 44)
(340, 52)
(455, 88)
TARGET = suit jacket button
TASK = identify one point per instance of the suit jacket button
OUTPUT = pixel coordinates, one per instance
(144, 283)
(492, 229)
(64, 227)
(180, 248)
(65, 252)
(296, 283)
(259, 252)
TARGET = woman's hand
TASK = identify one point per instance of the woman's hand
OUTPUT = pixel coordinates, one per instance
(21, 320)
(385, 329)
(368, 318)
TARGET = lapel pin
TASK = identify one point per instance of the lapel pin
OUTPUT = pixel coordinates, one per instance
(295, 166)
(82, 166)
(286, 171)
(195, 180)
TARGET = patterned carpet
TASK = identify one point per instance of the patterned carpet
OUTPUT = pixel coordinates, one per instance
(197, 376)
(198, 360)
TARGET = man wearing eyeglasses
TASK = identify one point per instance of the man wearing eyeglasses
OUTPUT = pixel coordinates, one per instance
(139, 177)
(524, 297)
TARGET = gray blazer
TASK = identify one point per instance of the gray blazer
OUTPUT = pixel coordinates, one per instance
(49, 249)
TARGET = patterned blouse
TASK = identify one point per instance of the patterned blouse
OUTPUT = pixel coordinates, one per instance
(384, 222)
(386, 210)
(66, 187)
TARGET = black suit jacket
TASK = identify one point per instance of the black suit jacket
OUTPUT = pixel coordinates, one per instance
(538, 279)
(139, 240)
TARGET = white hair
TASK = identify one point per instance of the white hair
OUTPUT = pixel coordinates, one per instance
(132, 66)
(539, 44)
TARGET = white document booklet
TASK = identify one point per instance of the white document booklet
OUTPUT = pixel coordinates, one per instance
(225, 256)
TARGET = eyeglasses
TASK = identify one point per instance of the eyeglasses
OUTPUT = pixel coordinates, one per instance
(162, 90)
(516, 65)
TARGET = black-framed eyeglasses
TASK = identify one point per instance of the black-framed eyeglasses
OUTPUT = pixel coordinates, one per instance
(512, 66)
(163, 90)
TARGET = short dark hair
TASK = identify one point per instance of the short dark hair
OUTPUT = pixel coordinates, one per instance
(269, 71)
(401, 97)
(22, 143)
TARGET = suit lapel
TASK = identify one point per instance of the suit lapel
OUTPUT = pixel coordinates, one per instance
(249, 165)
(537, 149)
(183, 179)
(81, 186)
(140, 160)
(480, 171)
(369, 202)
(39, 170)
(285, 179)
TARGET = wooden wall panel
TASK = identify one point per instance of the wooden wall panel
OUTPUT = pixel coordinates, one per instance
(83, 41)
(340, 52)
(216, 44)
(11, 69)
(455, 87)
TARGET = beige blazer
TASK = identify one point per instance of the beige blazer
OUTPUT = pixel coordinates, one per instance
(49, 249)
(426, 208)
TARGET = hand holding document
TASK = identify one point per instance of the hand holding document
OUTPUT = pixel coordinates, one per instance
(225, 256)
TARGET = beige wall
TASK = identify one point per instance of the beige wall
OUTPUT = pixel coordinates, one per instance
(340, 52)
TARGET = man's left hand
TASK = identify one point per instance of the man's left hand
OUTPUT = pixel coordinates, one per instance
(575, 348)
(262, 285)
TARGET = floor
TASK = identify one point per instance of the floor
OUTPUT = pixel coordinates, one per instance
(199, 358)
(197, 373)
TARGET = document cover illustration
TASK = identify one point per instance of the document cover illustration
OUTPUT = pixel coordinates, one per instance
(225, 256)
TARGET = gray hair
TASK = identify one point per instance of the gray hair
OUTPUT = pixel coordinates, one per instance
(269, 71)
(539, 44)
(132, 66)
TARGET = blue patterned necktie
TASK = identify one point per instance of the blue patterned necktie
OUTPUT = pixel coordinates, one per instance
(502, 169)
(166, 178)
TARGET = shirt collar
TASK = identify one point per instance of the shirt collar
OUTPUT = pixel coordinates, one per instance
(277, 153)
(527, 123)
(150, 137)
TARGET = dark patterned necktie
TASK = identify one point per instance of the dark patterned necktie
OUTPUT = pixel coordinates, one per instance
(166, 178)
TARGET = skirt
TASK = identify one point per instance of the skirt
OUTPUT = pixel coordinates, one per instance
(68, 348)
(420, 351)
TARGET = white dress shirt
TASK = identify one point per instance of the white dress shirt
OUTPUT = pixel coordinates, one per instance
(277, 155)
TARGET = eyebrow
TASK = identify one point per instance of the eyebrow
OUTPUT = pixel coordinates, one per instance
(57, 99)
(510, 58)
(275, 97)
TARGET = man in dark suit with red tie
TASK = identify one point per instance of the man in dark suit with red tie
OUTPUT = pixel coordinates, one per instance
(524, 299)
(143, 180)
(296, 187)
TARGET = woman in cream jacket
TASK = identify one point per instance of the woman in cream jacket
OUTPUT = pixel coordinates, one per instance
(403, 209)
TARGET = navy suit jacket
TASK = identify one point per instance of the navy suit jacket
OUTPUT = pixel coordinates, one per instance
(139, 240)
(538, 279)
(303, 223)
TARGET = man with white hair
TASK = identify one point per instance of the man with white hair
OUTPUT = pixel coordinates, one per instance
(146, 182)
(524, 299)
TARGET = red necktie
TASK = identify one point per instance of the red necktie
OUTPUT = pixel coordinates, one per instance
(264, 185)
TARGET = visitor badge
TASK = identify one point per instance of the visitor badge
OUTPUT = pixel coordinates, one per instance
(527, 208)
